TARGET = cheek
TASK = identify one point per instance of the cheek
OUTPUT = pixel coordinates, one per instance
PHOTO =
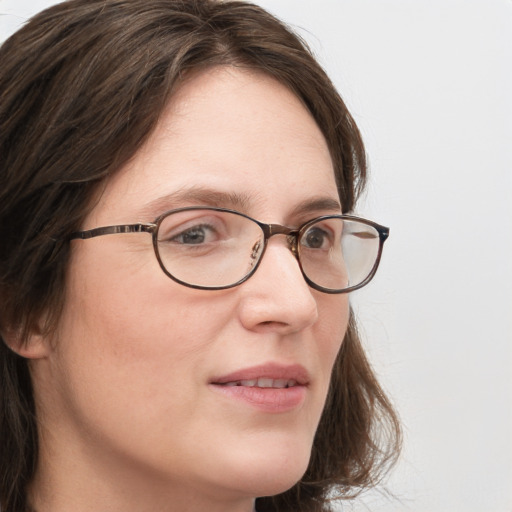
(130, 308)
(332, 325)
(132, 354)
(131, 333)
(333, 318)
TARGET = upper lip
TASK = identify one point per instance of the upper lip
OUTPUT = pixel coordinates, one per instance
(274, 371)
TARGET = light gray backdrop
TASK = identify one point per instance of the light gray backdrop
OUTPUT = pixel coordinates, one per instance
(430, 85)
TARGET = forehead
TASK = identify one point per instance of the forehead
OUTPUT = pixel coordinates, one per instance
(229, 130)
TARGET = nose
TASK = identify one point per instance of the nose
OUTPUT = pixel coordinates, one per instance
(277, 298)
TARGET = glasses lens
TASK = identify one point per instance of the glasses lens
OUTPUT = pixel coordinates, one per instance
(208, 248)
(337, 254)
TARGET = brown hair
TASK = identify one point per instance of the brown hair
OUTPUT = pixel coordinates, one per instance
(82, 86)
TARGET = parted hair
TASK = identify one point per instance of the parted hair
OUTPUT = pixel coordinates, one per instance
(82, 87)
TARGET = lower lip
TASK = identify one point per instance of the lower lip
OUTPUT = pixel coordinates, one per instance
(273, 400)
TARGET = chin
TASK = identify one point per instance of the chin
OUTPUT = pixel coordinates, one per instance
(271, 483)
(270, 472)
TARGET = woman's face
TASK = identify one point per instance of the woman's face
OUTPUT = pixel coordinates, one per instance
(135, 383)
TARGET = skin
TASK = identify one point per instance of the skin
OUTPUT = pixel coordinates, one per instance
(128, 419)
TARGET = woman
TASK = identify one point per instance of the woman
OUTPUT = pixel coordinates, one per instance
(175, 265)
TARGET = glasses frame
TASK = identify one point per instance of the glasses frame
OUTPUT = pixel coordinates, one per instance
(293, 236)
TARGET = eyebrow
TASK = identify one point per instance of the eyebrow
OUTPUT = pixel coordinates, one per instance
(201, 196)
(317, 204)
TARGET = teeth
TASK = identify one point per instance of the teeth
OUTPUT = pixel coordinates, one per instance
(264, 383)
(248, 383)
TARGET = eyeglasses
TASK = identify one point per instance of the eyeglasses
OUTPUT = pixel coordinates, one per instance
(216, 248)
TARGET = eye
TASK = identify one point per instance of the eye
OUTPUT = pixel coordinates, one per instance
(316, 238)
(193, 229)
(195, 235)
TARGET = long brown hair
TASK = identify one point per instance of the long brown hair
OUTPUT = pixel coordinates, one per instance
(82, 86)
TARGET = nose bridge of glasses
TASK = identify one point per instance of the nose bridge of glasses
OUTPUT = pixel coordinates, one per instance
(290, 234)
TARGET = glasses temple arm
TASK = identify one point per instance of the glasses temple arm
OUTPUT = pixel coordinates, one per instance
(113, 230)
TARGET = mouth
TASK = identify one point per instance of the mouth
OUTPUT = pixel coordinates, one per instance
(269, 375)
(263, 383)
(269, 388)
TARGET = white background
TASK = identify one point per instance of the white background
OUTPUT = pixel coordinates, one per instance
(430, 85)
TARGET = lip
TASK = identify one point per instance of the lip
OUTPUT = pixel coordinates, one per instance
(272, 400)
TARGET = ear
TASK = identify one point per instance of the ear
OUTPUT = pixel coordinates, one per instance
(36, 346)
